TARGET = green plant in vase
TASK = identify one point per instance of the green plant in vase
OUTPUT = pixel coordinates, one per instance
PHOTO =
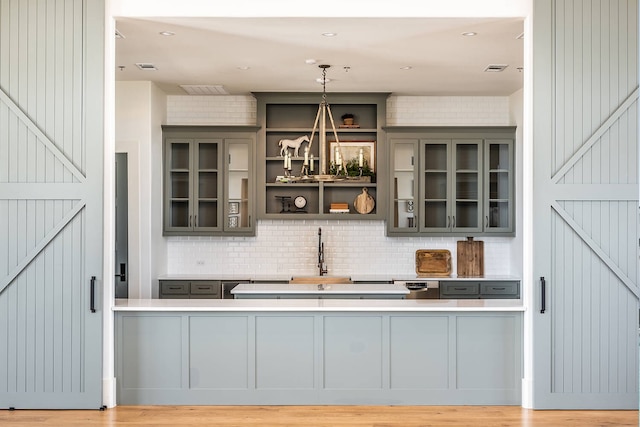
(354, 170)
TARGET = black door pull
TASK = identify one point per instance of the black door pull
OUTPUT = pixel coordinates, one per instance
(543, 295)
(93, 294)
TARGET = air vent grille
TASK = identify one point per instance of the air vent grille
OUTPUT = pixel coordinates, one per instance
(146, 67)
(204, 89)
(495, 68)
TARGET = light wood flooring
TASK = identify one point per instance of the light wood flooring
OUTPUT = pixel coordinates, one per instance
(321, 416)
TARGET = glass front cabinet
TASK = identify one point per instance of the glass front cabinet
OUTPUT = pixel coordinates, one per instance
(208, 185)
(451, 183)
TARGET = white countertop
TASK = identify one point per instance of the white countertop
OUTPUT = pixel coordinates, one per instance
(314, 289)
(356, 277)
(313, 305)
(415, 278)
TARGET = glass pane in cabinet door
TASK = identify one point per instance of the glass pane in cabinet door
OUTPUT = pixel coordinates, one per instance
(179, 185)
(467, 186)
(466, 215)
(435, 157)
(498, 214)
(435, 214)
(207, 214)
(207, 185)
(467, 157)
(179, 213)
(403, 174)
(208, 156)
(179, 156)
(498, 185)
(499, 157)
(238, 185)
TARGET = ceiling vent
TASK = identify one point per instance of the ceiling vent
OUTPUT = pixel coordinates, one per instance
(146, 67)
(119, 35)
(495, 68)
(204, 89)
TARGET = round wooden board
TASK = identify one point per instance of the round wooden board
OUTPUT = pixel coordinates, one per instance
(364, 203)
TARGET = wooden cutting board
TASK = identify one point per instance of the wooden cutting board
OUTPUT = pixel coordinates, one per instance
(364, 203)
(470, 258)
(433, 263)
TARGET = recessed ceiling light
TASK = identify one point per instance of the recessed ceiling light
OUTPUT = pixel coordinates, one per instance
(167, 33)
(243, 67)
(329, 34)
(469, 34)
(310, 61)
(408, 67)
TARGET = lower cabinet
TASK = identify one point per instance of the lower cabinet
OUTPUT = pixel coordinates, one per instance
(467, 289)
(189, 289)
(343, 358)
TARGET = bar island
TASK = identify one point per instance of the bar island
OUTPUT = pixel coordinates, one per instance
(318, 351)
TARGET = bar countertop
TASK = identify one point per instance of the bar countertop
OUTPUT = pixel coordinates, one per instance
(315, 305)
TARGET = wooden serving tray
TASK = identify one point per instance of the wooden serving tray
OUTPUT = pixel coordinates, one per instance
(433, 263)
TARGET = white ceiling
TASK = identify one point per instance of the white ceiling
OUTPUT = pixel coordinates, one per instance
(210, 50)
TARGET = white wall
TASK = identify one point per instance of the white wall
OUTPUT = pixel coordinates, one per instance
(140, 109)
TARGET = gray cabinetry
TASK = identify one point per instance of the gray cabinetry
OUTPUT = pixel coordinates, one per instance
(209, 180)
(451, 181)
(284, 116)
(319, 358)
(189, 289)
(469, 289)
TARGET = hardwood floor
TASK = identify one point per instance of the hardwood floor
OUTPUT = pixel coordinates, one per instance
(321, 416)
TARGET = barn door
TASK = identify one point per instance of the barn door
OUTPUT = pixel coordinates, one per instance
(585, 226)
(51, 143)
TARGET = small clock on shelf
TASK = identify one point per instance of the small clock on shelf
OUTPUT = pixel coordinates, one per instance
(300, 203)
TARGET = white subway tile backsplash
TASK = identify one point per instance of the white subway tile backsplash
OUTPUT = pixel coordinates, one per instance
(356, 248)
(211, 110)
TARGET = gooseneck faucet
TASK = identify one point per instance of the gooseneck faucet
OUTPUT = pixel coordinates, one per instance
(321, 264)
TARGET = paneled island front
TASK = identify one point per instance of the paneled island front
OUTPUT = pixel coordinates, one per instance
(318, 351)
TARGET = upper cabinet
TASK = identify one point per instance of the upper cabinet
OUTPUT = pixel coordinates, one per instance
(208, 186)
(451, 181)
(289, 190)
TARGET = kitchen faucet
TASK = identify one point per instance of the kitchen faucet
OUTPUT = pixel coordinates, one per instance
(321, 264)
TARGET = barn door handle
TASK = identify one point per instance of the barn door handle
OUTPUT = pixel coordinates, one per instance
(543, 295)
(93, 294)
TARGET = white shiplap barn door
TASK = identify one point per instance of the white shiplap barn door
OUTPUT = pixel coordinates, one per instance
(51, 154)
(585, 226)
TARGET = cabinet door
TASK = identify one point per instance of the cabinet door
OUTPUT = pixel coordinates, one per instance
(238, 185)
(466, 213)
(207, 185)
(498, 187)
(404, 184)
(435, 181)
(178, 185)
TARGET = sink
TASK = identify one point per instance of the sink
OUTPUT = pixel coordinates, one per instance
(320, 280)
